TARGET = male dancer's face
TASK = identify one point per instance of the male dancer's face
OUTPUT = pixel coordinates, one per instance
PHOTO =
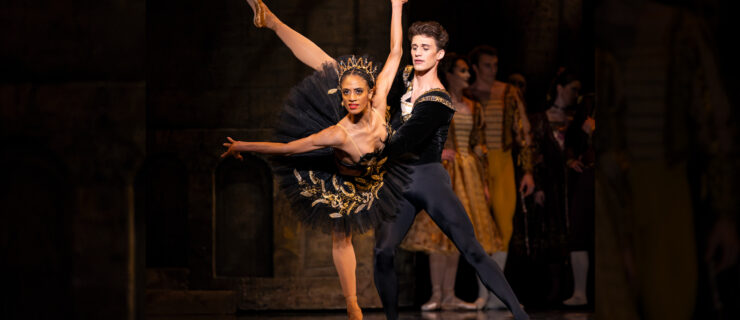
(486, 68)
(425, 53)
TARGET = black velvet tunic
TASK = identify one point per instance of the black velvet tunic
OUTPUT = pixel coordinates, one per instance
(421, 138)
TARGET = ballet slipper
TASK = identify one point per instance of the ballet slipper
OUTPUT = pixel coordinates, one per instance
(454, 303)
(576, 300)
(434, 303)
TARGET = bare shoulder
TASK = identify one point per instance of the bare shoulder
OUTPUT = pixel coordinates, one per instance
(333, 135)
(335, 130)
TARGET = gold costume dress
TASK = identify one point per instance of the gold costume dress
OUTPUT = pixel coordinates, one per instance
(467, 177)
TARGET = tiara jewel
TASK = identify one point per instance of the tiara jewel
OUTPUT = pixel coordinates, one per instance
(361, 64)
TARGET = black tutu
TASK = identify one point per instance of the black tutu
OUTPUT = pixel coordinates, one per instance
(320, 196)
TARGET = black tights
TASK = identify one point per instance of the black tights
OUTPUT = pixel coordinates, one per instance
(430, 189)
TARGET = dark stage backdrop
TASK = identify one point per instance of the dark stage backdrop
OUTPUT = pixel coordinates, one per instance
(112, 114)
(533, 38)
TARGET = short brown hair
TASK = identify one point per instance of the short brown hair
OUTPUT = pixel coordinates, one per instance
(430, 29)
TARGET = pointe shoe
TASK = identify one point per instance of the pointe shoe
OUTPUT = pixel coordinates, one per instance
(259, 12)
(576, 300)
(434, 303)
(454, 303)
(353, 309)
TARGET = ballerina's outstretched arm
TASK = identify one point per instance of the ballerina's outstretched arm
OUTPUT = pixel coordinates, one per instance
(304, 49)
(386, 76)
(329, 137)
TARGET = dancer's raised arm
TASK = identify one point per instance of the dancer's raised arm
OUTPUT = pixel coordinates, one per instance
(303, 48)
(329, 137)
(385, 78)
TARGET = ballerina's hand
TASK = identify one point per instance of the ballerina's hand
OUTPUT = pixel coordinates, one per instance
(232, 149)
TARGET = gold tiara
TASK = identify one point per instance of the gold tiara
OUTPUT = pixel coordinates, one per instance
(354, 63)
(361, 64)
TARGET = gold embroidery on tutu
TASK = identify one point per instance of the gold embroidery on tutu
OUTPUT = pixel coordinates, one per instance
(349, 197)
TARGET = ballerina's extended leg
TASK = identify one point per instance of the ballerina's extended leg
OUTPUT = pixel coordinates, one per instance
(304, 49)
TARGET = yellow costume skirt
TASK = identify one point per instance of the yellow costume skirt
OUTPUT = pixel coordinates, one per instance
(503, 192)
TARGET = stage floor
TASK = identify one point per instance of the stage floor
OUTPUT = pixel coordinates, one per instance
(378, 315)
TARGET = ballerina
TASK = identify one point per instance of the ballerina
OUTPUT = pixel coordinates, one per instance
(420, 111)
(329, 140)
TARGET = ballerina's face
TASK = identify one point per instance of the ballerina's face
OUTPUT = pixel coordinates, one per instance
(356, 94)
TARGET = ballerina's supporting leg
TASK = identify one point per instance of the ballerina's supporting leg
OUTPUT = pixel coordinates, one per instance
(343, 254)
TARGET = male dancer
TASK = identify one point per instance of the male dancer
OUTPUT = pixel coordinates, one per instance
(421, 121)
